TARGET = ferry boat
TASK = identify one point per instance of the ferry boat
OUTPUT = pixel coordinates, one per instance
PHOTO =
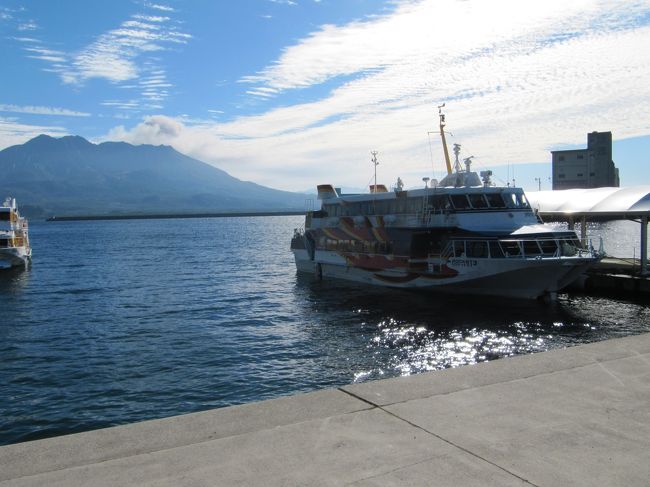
(14, 237)
(463, 235)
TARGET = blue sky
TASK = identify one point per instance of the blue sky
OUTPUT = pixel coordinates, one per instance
(293, 93)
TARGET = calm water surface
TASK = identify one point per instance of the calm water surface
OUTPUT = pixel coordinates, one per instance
(121, 321)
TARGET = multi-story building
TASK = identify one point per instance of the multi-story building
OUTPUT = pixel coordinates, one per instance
(586, 168)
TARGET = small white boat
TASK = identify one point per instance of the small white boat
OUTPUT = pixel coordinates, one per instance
(14, 237)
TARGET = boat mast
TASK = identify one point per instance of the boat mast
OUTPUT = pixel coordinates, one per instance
(374, 188)
(375, 163)
(442, 135)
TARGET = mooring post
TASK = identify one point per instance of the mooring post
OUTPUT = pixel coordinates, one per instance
(644, 244)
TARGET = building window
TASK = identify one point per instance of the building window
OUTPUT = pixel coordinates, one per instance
(561, 158)
(592, 174)
(560, 176)
(579, 175)
(580, 156)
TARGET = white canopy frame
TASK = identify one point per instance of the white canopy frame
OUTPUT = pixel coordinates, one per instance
(573, 205)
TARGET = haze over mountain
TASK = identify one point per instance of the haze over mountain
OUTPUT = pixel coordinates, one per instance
(71, 176)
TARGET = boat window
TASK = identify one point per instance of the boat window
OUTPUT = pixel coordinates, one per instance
(400, 206)
(460, 201)
(495, 250)
(511, 200)
(4, 242)
(459, 248)
(5, 216)
(414, 204)
(511, 248)
(495, 200)
(439, 202)
(478, 201)
(382, 207)
(570, 247)
(477, 249)
(549, 247)
(531, 248)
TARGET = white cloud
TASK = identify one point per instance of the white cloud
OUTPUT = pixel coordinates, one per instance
(14, 133)
(163, 8)
(518, 77)
(122, 56)
(40, 110)
(29, 25)
(46, 54)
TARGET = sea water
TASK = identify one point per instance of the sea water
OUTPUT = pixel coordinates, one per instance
(122, 321)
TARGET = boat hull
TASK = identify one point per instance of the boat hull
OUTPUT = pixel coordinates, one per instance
(508, 277)
(14, 257)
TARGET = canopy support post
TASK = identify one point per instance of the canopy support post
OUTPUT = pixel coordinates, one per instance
(572, 223)
(583, 230)
(644, 245)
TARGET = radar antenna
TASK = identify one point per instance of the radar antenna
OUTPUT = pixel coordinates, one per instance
(456, 154)
(468, 163)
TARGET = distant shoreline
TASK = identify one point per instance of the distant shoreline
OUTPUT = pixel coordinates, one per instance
(158, 216)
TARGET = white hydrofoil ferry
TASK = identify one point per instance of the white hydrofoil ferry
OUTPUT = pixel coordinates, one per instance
(463, 235)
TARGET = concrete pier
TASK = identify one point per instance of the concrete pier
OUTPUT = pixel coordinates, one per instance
(576, 416)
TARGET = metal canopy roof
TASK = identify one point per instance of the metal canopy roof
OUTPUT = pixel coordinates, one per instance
(633, 201)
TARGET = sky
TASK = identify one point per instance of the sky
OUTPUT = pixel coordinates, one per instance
(294, 93)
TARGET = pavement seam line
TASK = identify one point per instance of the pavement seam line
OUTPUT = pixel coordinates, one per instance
(506, 381)
(449, 442)
(396, 469)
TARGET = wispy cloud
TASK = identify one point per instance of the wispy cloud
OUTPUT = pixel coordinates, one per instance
(30, 25)
(46, 54)
(114, 55)
(40, 110)
(128, 56)
(13, 132)
(519, 77)
(163, 8)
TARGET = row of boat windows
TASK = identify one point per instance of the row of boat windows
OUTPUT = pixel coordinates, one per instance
(513, 248)
(439, 202)
(479, 249)
(362, 246)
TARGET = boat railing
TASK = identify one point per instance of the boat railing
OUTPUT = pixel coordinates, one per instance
(426, 215)
(520, 248)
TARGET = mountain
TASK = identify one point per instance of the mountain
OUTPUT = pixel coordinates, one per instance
(72, 176)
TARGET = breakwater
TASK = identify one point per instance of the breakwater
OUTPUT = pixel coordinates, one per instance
(159, 216)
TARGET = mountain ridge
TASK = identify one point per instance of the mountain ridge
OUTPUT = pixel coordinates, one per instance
(71, 175)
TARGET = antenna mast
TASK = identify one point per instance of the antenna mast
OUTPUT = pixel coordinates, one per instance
(375, 163)
(442, 135)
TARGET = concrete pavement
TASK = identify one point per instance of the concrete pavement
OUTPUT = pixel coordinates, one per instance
(577, 416)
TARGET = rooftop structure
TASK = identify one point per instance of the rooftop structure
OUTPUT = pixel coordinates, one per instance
(586, 168)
